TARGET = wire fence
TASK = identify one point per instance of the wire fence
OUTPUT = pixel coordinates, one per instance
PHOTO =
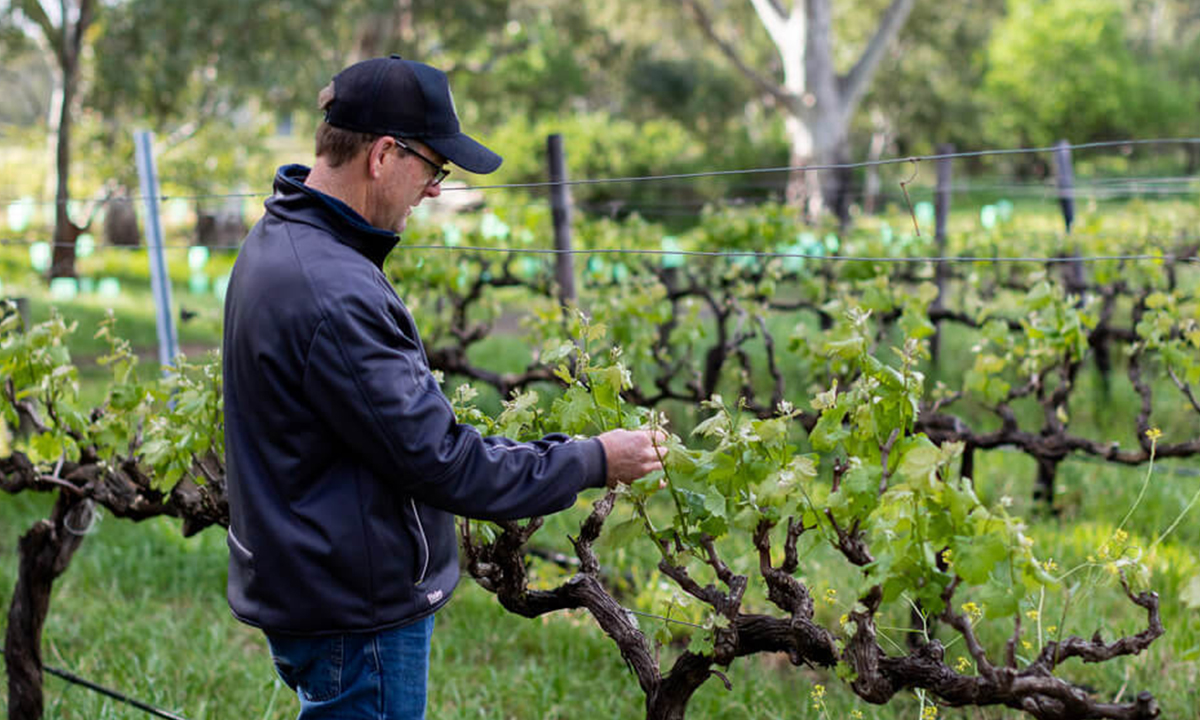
(1098, 188)
(1095, 189)
(785, 169)
(733, 254)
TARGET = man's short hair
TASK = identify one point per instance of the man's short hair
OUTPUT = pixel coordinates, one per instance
(335, 145)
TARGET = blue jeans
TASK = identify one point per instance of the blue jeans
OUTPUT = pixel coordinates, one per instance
(358, 676)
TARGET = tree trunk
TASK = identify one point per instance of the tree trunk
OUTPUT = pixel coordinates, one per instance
(45, 552)
(668, 701)
(880, 136)
(819, 141)
(68, 43)
(65, 231)
(1043, 489)
(120, 222)
(386, 32)
(802, 188)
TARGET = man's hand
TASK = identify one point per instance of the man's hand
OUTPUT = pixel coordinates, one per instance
(632, 454)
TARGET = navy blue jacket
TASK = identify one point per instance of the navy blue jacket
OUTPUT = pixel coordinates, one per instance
(345, 463)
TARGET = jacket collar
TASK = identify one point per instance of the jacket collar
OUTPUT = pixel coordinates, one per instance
(295, 201)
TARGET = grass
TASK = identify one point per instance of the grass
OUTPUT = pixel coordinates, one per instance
(142, 610)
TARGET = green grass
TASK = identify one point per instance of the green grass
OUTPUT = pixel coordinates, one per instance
(142, 610)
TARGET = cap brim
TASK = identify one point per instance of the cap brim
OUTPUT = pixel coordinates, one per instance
(466, 153)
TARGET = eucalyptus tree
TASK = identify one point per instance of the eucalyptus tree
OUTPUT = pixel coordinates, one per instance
(817, 100)
(1103, 86)
(60, 29)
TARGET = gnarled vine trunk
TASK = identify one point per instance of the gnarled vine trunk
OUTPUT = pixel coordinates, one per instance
(45, 552)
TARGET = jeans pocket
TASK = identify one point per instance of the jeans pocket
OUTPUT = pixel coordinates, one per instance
(312, 666)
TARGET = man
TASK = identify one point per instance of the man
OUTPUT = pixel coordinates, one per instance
(344, 460)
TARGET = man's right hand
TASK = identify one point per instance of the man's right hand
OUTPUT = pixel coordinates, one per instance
(631, 454)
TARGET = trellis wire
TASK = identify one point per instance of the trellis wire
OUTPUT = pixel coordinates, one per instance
(831, 258)
(757, 171)
(1102, 188)
(77, 680)
(843, 166)
(738, 253)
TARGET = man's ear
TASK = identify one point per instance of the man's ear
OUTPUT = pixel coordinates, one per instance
(377, 154)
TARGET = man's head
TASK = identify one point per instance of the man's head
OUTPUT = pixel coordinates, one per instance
(403, 99)
(390, 127)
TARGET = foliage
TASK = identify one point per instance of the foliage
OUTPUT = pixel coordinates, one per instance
(832, 443)
(1100, 89)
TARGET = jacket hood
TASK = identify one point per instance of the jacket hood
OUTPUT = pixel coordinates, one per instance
(296, 202)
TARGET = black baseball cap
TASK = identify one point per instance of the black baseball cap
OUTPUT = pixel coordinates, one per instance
(407, 99)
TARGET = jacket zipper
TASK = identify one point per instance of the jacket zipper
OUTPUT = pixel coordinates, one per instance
(424, 542)
(239, 544)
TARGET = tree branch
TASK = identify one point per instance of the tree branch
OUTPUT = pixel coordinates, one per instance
(854, 85)
(769, 87)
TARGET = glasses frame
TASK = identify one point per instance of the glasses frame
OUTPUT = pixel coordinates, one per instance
(439, 171)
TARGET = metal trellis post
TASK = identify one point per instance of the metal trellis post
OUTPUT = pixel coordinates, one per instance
(160, 281)
(560, 203)
(942, 213)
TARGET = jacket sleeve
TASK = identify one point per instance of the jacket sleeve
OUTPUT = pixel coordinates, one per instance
(370, 382)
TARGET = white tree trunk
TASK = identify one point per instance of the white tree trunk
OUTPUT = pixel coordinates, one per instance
(819, 103)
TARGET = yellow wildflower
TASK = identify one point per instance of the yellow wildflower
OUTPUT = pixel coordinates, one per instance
(1049, 565)
(963, 664)
(845, 618)
(929, 713)
(948, 557)
(1052, 629)
(831, 596)
(1025, 644)
(1032, 615)
(973, 610)
(818, 694)
(1120, 537)
(1154, 434)
(856, 714)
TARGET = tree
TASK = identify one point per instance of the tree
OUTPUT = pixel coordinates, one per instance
(818, 102)
(1101, 89)
(62, 31)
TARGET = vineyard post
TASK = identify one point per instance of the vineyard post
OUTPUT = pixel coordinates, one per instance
(1066, 181)
(942, 206)
(560, 204)
(1066, 198)
(160, 280)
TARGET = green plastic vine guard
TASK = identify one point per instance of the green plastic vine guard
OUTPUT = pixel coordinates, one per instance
(197, 258)
(20, 214)
(85, 245)
(178, 211)
(988, 216)
(925, 213)
(39, 256)
(1005, 209)
(64, 288)
(886, 234)
(493, 228)
(670, 243)
(108, 287)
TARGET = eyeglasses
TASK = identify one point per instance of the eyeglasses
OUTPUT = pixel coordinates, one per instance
(439, 172)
